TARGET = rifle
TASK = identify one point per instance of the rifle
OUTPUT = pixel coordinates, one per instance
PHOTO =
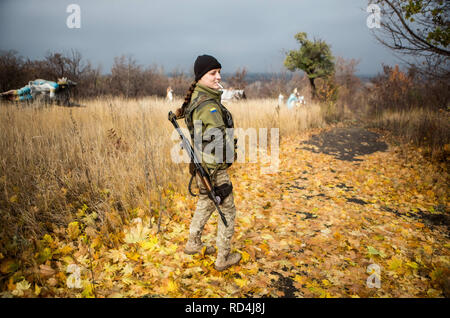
(204, 176)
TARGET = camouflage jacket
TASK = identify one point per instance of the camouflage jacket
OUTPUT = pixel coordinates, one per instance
(208, 119)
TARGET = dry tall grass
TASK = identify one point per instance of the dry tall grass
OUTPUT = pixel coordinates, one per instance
(424, 128)
(106, 159)
(113, 156)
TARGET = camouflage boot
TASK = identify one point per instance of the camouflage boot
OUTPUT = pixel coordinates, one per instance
(222, 263)
(195, 246)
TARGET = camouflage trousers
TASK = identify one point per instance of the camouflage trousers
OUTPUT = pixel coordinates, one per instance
(205, 207)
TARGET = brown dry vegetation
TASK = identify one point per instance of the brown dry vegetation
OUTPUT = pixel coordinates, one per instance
(111, 156)
(108, 163)
(88, 186)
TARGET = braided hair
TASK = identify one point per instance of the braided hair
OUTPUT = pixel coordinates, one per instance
(180, 112)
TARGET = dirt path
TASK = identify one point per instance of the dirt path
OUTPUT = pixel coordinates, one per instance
(346, 143)
(342, 201)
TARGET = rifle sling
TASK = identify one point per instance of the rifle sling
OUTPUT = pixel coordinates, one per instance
(223, 191)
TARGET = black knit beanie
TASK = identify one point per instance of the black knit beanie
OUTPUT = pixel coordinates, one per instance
(203, 64)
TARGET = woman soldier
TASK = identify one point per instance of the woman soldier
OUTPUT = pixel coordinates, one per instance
(202, 103)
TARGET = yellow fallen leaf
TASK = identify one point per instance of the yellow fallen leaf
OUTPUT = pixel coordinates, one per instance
(246, 220)
(65, 250)
(47, 238)
(21, 287)
(73, 230)
(37, 290)
(88, 291)
(395, 264)
(427, 249)
(11, 285)
(136, 234)
(437, 274)
(127, 270)
(169, 250)
(117, 255)
(149, 244)
(413, 265)
(171, 286)
(8, 266)
(128, 281)
(299, 279)
(433, 293)
(241, 282)
(245, 257)
(67, 259)
(337, 236)
(133, 256)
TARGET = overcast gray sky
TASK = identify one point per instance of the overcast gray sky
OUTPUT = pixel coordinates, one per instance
(172, 33)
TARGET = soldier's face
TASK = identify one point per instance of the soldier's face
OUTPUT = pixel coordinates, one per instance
(211, 79)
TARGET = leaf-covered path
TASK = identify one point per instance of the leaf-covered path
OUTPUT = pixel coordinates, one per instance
(325, 225)
(317, 225)
(314, 228)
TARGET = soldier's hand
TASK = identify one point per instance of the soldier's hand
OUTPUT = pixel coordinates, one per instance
(179, 113)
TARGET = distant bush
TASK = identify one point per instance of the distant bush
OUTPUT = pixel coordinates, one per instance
(398, 90)
(127, 78)
(412, 108)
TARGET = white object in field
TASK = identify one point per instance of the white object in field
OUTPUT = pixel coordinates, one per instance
(280, 99)
(232, 94)
(169, 95)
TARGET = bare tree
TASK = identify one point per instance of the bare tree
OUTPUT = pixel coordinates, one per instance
(348, 82)
(125, 75)
(57, 64)
(179, 82)
(238, 79)
(127, 78)
(419, 29)
(154, 81)
(11, 66)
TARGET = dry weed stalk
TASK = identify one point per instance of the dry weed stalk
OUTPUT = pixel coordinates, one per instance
(83, 151)
(117, 141)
